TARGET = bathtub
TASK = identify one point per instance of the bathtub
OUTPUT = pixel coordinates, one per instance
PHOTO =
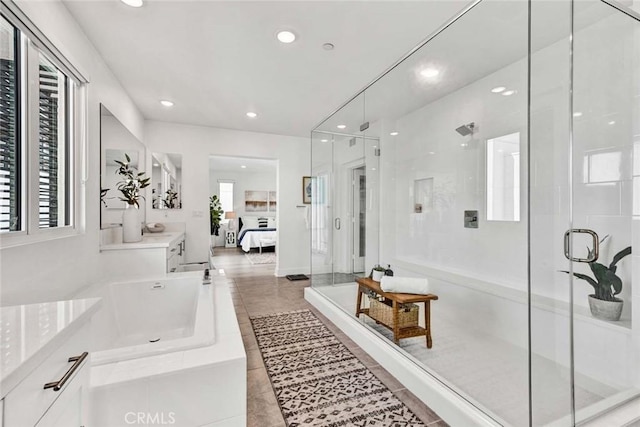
(149, 317)
(195, 375)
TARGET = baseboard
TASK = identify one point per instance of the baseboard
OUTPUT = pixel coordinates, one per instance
(446, 403)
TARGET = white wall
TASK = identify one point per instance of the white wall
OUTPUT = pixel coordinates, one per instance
(429, 147)
(245, 181)
(56, 269)
(197, 143)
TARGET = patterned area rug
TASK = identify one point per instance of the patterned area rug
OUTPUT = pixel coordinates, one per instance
(261, 258)
(318, 381)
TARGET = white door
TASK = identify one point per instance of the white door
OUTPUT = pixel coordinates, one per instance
(358, 218)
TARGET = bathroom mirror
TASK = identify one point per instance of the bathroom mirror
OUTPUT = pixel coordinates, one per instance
(503, 178)
(116, 141)
(166, 181)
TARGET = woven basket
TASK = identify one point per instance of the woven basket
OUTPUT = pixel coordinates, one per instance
(382, 311)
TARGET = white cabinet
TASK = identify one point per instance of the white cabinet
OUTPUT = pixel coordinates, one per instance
(156, 254)
(30, 404)
(175, 255)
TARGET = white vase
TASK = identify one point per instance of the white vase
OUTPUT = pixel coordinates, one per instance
(377, 275)
(131, 229)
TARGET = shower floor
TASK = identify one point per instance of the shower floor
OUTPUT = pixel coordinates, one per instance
(490, 372)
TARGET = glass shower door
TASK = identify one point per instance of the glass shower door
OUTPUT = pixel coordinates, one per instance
(585, 128)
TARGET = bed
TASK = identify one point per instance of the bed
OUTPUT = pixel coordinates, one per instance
(253, 230)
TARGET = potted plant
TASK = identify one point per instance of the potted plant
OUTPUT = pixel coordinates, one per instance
(377, 272)
(130, 186)
(215, 211)
(606, 284)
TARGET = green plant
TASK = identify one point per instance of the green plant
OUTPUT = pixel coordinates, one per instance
(215, 211)
(132, 182)
(103, 195)
(606, 283)
(170, 200)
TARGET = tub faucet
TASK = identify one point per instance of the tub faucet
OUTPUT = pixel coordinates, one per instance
(206, 280)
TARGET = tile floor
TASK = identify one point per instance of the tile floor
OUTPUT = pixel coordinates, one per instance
(255, 291)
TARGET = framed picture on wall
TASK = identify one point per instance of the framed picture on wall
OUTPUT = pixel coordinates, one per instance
(306, 189)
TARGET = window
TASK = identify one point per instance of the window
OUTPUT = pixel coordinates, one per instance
(226, 196)
(10, 165)
(503, 178)
(39, 131)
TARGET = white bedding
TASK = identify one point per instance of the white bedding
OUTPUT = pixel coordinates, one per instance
(251, 239)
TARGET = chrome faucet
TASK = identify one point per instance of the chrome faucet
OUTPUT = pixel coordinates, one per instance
(206, 280)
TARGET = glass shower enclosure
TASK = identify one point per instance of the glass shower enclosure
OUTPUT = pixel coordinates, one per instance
(497, 160)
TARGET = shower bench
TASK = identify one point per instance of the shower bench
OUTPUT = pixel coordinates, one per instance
(367, 284)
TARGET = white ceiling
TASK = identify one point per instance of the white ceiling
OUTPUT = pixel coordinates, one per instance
(234, 164)
(216, 60)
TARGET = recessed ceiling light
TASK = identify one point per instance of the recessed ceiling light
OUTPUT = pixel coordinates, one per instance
(252, 115)
(286, 36)
(431, 152)
(612, 122)
(324, 140)
(243, 166)
(577, 114)
(429, 72)
(166, 103)
(132, 3)
(498, 89)
(328, 46)
(342, 126)
(394, 133)
(156, 164)
(508, 93)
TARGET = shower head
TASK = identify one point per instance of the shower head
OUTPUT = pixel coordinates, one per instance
(467, 129)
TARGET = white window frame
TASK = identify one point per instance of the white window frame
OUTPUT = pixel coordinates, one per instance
(32, 41)
(233, 193)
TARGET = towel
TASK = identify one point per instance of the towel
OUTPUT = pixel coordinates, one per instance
(404, 285)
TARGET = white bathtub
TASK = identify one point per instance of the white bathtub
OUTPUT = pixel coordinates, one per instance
(145, 318)
(188, 378)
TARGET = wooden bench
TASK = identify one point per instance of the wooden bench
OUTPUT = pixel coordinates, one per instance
(366, 284)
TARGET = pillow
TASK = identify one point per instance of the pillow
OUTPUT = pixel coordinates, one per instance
(250, 222)
(271, 223)
(262, 222)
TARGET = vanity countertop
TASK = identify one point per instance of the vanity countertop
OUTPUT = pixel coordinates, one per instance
(149, 241)
(30, 333)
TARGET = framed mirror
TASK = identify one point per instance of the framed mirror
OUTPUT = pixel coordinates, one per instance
(116, 142)
(166, 181)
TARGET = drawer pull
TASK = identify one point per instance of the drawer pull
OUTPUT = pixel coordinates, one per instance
(57, 385)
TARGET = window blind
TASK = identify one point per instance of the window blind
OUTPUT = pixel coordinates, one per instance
(9, 130)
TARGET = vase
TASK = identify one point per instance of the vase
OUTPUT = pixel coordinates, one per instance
(377, 275)
(131, 229)
(605, 310)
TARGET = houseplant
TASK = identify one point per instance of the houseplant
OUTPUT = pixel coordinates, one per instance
(215, 213)
(606, 284)
(171, 199)
(377, 272)
(130, 186)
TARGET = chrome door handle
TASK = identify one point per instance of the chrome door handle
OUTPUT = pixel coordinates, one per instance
(336, 223)
(595, 252)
